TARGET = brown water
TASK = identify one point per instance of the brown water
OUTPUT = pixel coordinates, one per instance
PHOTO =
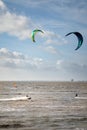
(52, 106)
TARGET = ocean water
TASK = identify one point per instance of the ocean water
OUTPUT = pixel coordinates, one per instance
(53, 106)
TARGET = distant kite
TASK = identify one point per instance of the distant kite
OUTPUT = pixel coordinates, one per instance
(34, 33)
(80, 38)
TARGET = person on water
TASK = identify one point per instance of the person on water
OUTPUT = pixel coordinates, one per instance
(28, 97)
(76, 95)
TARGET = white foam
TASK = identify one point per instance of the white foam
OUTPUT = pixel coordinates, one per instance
(81, 97)
(15, 98)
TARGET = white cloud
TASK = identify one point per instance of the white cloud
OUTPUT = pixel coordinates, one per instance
(17, 60)
(51, 49)
(73, 11)
(5, 53)
(2, 5)
(69, 10)
(53, 38)
(21, 27)
(59, 62)
(73, 69)
(13, 24)
(21, 67)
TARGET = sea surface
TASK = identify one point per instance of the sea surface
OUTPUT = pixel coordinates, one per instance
(52, 106)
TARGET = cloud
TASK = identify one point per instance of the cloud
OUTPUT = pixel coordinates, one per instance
(5, 53)
(72, 69)
(51, 49)
(59, 62)
(17, 60)
(72, 11)
(13, 24)
(19, 66)
(54, 38)
(21, 27)
(2, 5)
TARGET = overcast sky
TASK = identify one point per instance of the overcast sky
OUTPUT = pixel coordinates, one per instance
(52, 56)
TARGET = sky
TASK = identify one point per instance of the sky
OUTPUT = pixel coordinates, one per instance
(52, 57)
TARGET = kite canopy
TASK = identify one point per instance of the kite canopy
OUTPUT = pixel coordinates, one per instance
(80, 38)
(34, 33)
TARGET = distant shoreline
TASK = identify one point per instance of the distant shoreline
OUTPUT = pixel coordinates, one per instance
(39, 81)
